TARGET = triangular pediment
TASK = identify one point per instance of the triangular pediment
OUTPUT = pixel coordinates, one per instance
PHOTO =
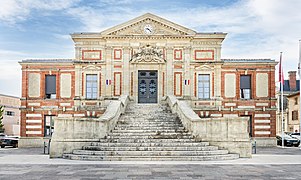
(204, 68)
(148, 24)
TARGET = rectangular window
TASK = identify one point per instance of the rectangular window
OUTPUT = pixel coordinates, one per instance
(245, 87)
(50, 87)
(9, 113)
(91, 86)
(204, 86)
(294, 115)
(48, 126)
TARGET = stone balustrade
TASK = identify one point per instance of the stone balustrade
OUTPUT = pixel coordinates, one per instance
(226, 133)
(73, 133)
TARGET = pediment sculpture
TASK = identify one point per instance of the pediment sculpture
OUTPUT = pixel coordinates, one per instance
(148, 54)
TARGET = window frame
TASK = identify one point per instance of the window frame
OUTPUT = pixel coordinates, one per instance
(9, 113)
(242, 92)
(91, 91)
(202, 82)
(50, 95)
(295, 115)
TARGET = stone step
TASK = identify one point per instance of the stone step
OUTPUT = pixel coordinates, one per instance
(150, 153)
(152, 148)
(147, 128)
(156, 120)
(149, 131)
(152, 158)
(148, 143)
(150, 125)
(142, 136)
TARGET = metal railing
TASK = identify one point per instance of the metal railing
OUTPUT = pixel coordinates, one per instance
(47, 146)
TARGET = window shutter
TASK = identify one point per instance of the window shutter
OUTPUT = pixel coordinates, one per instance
(50, 84)
(245, 82)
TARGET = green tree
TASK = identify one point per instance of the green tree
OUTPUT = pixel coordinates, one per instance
(1, 118)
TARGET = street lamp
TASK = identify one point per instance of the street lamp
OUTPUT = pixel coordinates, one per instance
(299, 72)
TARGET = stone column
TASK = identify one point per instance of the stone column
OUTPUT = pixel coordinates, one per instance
(78, 84)
(186, 76)
(169, 71)
(126, 71)
(77, 53)
(217, 83)
(108, 71)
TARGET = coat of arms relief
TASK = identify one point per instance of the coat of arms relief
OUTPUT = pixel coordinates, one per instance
(148, 54)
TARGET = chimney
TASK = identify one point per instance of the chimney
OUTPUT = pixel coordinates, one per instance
(292, 80)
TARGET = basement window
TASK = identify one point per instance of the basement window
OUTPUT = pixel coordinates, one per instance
(245, 87)
(9, 113)
(50, 87)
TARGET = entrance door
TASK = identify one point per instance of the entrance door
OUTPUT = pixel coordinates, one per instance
(147, 86)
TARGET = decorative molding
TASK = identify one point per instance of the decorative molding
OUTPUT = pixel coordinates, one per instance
(178, 77)
(91, 54)
(204, 54)
(204, 68)
(159, 25)
(178, 54)
(117, 54)
(91, 68)
(117, 87)
(148, 54)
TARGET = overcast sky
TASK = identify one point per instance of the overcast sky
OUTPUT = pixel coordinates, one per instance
(41, 28)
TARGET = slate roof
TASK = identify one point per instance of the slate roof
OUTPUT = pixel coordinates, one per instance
(248, 60)
(286, 85)
(47, 60)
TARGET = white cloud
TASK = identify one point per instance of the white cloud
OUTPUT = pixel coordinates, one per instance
(13, 11)
(10, 79)
(6, 55)
(256, 28)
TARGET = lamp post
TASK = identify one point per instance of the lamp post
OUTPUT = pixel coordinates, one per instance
(299, 72)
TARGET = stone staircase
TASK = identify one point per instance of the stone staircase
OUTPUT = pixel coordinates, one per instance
(149, 132)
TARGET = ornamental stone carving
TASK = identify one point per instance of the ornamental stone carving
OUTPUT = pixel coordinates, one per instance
(148, 54)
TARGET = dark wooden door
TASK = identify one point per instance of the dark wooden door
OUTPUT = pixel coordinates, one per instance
(147, 86)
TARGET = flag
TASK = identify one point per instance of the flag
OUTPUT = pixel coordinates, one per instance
(281, 78)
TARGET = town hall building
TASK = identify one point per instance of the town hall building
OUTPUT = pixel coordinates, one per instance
(147, 58)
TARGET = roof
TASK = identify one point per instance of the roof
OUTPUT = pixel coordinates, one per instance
(293, 94)
(47, 60)
(249, 60)
(286, 86)
(152, 17)
(10, 96)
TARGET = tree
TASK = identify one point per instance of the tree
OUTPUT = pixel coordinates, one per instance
(1, 118)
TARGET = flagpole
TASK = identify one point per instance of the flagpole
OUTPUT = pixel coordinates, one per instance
(281, 89)
(299, 68)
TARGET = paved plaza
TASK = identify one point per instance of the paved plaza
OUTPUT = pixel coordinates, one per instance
(268, 163)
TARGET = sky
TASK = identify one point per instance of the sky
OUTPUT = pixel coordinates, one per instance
(42, 28)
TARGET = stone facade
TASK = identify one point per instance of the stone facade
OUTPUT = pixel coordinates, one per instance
(293, 122)
(148, 58)
(11, 116)
(290, 88)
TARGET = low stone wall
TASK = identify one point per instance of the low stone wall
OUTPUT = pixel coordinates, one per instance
(29, 142)
(226, 133)
(73, 133)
